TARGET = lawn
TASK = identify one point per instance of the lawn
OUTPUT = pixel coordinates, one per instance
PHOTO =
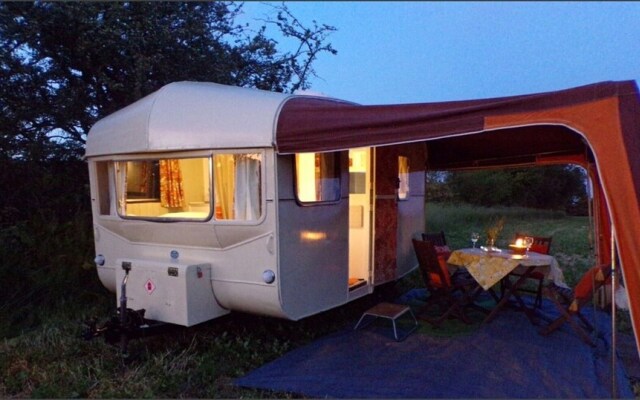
(571, 243)
(51, 361)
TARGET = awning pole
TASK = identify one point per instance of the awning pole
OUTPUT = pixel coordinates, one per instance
(614, 391)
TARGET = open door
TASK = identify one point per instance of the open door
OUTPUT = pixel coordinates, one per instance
(360, 215)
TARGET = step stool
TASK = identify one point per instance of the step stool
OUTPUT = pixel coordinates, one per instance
(390, 311)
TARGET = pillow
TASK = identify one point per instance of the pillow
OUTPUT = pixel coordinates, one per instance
(539, 248)
(443, 251)
(435, 278)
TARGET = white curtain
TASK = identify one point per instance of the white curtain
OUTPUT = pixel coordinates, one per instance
(247, 187)
(121, 187)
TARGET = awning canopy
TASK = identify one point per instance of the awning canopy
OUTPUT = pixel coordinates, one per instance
(598, 123)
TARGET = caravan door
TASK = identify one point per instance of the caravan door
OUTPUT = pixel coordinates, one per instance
(360, 224)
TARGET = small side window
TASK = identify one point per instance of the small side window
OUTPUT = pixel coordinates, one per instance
(104, 194)
(317, 177)
(403, 178)
(237, 184)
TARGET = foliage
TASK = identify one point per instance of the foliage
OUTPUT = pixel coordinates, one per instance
(64, 65)
(197, 362)
(550, 187)
(45, 229)
(437, 187)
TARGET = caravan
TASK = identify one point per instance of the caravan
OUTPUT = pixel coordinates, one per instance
(195, 205)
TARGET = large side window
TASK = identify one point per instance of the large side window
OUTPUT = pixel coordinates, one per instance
(164, 188)
(317, 177)
(237, 186)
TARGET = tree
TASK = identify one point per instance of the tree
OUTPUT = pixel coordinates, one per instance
(552, 187)
(64, 65)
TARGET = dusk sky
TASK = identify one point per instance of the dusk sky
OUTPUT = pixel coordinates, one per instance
(405, 52)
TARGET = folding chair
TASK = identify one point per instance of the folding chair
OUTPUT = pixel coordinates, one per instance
(437, 238)
(439, 241)
(570, 302)
(452, 296)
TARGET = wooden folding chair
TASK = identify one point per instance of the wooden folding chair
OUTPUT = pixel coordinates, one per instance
(540, 245)
(439, 241)
(570, 302)
(452, 296)
(437, 238)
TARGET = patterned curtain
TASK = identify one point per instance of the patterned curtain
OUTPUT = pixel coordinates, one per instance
(171, 190)
(224, 184)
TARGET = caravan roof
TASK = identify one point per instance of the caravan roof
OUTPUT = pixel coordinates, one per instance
(187, 116)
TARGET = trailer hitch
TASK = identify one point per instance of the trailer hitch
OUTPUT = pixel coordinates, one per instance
(125, 324)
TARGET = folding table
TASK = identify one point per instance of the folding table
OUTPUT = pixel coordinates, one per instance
(491, 267)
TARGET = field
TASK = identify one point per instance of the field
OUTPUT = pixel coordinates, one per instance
(51, 361)
(571, 243)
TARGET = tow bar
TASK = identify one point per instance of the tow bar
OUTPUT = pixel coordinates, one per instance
(125, 324)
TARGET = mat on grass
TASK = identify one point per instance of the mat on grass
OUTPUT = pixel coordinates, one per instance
(417, 298)
(506, 358)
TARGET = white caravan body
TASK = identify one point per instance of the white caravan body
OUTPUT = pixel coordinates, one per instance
(189, 189)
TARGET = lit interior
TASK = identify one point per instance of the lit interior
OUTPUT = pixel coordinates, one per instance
(180, 188)
(306, 176)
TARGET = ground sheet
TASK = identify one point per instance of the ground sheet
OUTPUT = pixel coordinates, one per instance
(506, 358)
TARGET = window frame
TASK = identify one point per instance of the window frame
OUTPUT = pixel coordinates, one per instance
(263, 202)
(338, 174)
(157, 156)
(113, 194)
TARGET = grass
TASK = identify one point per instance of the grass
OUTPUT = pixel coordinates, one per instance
(50, 360)
(571, 244)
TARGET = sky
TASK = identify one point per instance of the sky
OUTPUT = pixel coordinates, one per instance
(413, 52)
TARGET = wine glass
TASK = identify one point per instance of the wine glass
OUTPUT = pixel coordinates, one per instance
(474, 238)
(528, 242)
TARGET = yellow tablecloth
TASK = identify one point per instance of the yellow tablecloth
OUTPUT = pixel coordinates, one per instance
(488, 268)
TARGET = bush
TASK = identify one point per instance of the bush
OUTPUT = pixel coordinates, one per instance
(47, 252)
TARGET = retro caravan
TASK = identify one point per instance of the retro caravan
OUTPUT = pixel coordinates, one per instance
(197, 212)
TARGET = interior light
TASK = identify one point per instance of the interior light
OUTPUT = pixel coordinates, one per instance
(312, 236)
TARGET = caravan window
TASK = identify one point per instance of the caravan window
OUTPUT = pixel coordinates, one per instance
(317, 177)
(403, 178)
(181, 188)
(176, 188)
(237, 186)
